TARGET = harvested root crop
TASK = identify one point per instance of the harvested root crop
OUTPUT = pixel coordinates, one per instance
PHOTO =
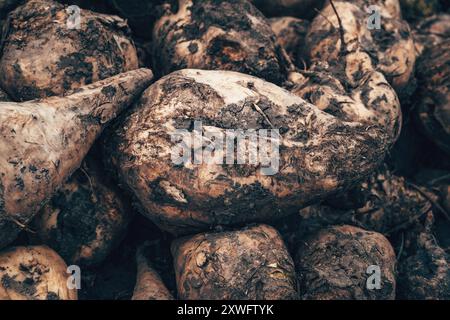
(343, 81)
(432, 106)
(220, 35)
(296, 8)
(34, 273)
(371, 100)
(335, 263)
(425, 274)
(86, 219)
(318, 153)
(391, 205)
(291, 35)
(431, 32)
(149, 285)
(326, 119)
(43, 142)
(391, 48)
(248, 264)
(98, 49)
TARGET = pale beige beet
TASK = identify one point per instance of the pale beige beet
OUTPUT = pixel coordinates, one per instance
(149, 285)
(34, 273)
(391, 48)
(43, 142)
(319, 154)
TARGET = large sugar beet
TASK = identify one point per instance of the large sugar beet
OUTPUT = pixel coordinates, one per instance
(318, 154)
(44, 141)
(218, 35)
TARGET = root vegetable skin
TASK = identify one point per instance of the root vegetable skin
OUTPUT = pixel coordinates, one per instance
(85, 220)
(319, 154)
(392, 45)
(43, 142)
(425, 274)
(33, 273)
(69, 58)
(391, 206)
(149, 285)
(343, 80)
(433, 94)
(218, 35)
(431, 32)
(332, 264)
(371, 101)
(246, 264)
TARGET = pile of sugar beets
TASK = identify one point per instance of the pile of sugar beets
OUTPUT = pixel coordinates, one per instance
(359, 207)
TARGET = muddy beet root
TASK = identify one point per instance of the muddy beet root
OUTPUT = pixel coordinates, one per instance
(319, 153)
(220, 35)
(425, 272)
(335, 263)
(390, 205)
(86, 219)
(99, 49)
(432, 108)
(250, 264)
(431, 31)
(33, 273)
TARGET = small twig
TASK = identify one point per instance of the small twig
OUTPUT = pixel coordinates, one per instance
(434, 181)
(291, 66)
(94, 197)
(341, 28)
(88, 177)
(325, 17)
(408, 222)
(429, 198)
(258, 109)
(304, 64)
(22, 226)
